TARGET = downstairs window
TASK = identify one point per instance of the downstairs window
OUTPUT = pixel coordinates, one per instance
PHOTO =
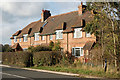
(77, 51)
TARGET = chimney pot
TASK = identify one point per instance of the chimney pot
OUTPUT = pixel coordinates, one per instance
(44, 15)
(80, 11)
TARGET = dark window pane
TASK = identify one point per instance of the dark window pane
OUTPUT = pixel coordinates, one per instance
(77, 52)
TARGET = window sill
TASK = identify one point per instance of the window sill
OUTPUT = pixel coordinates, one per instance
(88, 37)
(60, 39)
(24, 41)
(36, 40)
(78, 38)
(77, 56)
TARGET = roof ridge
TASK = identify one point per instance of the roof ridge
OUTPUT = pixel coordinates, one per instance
(62, 14)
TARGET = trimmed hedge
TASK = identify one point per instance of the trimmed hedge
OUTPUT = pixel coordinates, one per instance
(17, 58)
(27, 59)
(39, 48)
(46, 58)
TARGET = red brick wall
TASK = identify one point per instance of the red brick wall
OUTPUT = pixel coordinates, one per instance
(72, 42)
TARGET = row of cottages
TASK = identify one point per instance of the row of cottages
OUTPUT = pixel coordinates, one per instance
(67, 28)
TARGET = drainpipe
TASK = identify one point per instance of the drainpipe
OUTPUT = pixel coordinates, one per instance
(67, 42)
(46, 39)
(30, 41)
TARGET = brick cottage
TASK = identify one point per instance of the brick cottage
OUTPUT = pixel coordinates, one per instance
(67, 28)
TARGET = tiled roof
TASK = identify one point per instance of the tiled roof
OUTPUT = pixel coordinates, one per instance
(88, 45)
(16, 34)
(72, 19)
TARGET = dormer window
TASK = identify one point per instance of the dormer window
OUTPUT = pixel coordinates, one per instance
(25, 37)
(77, 33)
(36, 36)
(88, 34)
(15, 39)
(59, 34)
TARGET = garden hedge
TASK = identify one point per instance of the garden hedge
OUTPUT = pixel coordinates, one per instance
(46, 58)
(17, 58)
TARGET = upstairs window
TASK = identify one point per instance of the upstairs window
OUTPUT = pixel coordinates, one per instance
(88, 34)
(15, 39)
(25, 38)
(51, 37)
(77, 51)
(77, 33)
(42, 38)
(36, 36)
(59, 34)
(19, 39)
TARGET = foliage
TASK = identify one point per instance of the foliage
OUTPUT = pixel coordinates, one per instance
(82, 70)
(1, 46)
(6, 48)
(17, 58)
(105, 26)
(56, 46)
(51, 45)
(66, 60)
(47, 58)
(39, 48)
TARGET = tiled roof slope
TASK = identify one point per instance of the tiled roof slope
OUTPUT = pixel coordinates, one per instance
(88, 45)
(26, 29)
(72, 19)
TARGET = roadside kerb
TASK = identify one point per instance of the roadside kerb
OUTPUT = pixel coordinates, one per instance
(54, 72)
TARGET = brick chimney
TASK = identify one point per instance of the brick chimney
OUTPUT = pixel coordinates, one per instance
(80, 9)
(44, 15)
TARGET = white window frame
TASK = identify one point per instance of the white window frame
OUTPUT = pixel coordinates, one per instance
(59, 34)
(25, 49)
(77, 48)
(88, 34)
(42, 38)
(77, 33)
(25, 37)
(15, 39)
(36, 36)
(51, 37)
(19, 39)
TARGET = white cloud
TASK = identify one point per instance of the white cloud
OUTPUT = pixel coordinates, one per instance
(17, 15)
(22, 8)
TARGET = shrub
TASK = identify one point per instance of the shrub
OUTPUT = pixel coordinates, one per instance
(66, 59)
(6, 48)
(56, 46)
(17, 58)
(39, 48)
(51, 44)
(46, 58)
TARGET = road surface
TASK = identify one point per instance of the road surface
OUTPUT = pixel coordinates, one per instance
(9, 73)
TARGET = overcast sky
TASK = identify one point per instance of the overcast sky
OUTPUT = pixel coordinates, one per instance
(16, 15)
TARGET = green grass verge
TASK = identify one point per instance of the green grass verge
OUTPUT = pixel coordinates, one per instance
(79, 71)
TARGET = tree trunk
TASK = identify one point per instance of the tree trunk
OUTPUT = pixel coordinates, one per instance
(114, 43)
(102, 44)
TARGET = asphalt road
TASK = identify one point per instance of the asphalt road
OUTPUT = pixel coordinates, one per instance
(21, 74)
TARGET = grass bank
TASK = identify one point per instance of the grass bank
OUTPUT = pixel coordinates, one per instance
(80, 70)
